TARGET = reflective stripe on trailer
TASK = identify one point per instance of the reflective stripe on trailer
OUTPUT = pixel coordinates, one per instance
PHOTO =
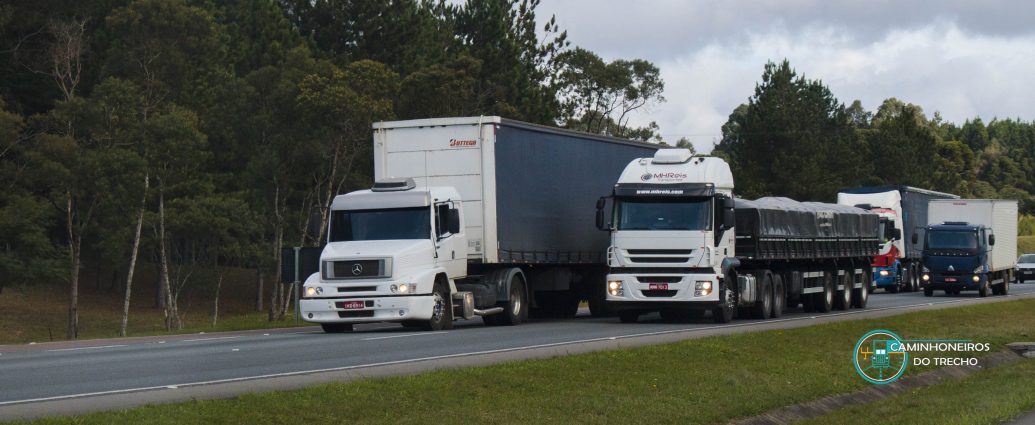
(811, 290)
(808, 275)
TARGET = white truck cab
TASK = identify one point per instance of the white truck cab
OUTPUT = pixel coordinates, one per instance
(392, 254)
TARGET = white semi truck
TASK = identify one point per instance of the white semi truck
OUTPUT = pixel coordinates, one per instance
(682, 245)
(478, 216)
(969, 244)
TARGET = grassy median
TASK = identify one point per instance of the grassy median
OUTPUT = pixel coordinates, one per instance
(704, 380)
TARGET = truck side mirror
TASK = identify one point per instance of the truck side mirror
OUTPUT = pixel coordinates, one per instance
(454, 221)
(991, 240)
(728, 219)
(601, 202)
(915, 238)
(897, 234)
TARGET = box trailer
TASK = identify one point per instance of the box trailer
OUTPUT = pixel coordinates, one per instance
(969, 244)
(902, 211)
(509, 225)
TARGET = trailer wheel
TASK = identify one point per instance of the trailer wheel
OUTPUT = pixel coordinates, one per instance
(630, 316)
(515, 310)
(844, 300)
(914, 279)
(336, 328)
(442, 312)
(825, 300)
(764, 307)
(861, 295)
(779, 297)
(1005, 285)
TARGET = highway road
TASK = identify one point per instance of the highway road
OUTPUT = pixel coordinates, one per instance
(77, 377)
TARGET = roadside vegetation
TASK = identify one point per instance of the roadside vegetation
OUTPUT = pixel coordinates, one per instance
(708, 380)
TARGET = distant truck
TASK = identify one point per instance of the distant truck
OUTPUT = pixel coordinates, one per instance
(477, 216)
(902, 211)
(970, 244)
(682, 245)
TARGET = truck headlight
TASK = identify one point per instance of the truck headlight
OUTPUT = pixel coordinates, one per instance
(702, 288)
(403, 288)
(614, 287)
(976, 278)
(312, 291)
(884, 273)
(926, 277)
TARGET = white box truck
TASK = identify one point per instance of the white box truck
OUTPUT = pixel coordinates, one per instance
(475, 216)
(969, 245)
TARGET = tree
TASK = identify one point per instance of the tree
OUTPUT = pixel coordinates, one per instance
(903, 147)
(793, 139)
(601, 97)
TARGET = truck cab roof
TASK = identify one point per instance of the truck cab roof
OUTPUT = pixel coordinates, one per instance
(368, 199)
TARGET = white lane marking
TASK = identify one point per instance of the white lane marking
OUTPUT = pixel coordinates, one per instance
(88, 348)
(403, 335)
(447, 356)
(211, 339)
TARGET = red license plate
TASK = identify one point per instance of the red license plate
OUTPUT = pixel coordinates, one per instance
(950, 279)
(660, 286)
(352, 305)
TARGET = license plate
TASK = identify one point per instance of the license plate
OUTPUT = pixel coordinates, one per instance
(950, 279)
(352, 305)
(659, 286)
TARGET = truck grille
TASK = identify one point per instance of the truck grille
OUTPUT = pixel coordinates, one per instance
(660, 251)
(659, 279)
(354, 269)
(659, 259)
(659, 293)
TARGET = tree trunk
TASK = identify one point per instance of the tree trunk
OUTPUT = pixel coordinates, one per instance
(289, 295)
(278, 236)
(259, 290)
(133, 258)
(73, 279)
(215, 307)
(170, 308)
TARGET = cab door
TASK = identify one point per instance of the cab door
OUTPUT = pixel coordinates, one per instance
(450, 241)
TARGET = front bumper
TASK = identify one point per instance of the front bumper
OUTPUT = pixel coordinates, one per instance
(375, 309)
(963, 282)
(645, 291)
(1025, 274)
(884, 281)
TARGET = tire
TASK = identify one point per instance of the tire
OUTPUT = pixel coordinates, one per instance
(515, 310)
(1006, 286)
(629, 316)
(597, 302)
(442, 312)
(928, 292)
(844, 301)
(779, 297)
(983, 292)
(336, 328)
(725, 312)
(914, 279)
(825, 300)
(862, 295)
(764, 306)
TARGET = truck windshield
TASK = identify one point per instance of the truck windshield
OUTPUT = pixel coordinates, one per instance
(376, 225)
(665, 214)
(950, 239)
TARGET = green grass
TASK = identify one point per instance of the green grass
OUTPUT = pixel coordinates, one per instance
(990, 396)
(1026, 244)
(40, 313)
(706, 380)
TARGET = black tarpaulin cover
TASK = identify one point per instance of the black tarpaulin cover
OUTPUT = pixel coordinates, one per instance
(787, 218)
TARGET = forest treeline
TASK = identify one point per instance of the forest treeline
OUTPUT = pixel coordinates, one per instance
(198, 135)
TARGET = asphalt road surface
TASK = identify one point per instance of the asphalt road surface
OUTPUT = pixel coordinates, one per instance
(77, 377)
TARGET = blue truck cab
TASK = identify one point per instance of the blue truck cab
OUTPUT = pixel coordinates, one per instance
(955, 258)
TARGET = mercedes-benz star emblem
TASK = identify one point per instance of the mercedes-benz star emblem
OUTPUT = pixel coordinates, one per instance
(357, 269)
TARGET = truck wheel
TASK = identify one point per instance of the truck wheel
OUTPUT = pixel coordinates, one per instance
(725, 311)
(983, 292)
(1005, 286)
(442, 312)
(629, 316)
(336, 328)
(825, 300)
(844, 299)
(861, 295)
(764, 306)
(515, 310)
(779, 297)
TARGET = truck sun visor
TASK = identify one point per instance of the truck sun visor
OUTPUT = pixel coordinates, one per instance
(393, 185)
(675, 189)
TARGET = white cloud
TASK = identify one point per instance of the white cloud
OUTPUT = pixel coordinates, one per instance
(963, 59)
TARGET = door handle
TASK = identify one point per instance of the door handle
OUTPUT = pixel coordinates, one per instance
(454, 255)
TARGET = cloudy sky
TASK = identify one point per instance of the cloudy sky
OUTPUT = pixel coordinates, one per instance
(963, 59)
